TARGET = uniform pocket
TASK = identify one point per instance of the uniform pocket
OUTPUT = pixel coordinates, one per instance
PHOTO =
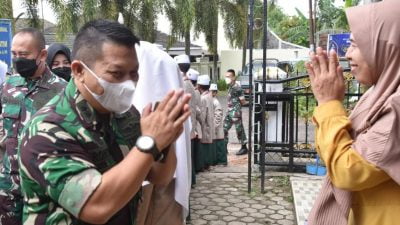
(11, 120)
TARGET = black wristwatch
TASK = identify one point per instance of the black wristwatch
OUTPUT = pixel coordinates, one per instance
(147, 144)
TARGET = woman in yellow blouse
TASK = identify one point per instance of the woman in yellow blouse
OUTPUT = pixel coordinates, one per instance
(362, 151)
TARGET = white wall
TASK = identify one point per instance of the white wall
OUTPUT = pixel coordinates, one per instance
(232, 59)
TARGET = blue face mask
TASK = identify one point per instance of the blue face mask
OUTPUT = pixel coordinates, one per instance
(117, 97)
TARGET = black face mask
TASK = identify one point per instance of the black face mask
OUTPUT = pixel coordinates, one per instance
(63, 72)
(184, 67)
(25, 67)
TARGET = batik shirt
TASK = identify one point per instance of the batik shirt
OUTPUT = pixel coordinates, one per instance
(235, 93)
(64, 151)
(20, 99)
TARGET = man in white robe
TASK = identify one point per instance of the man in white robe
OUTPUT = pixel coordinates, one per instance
(158, 74)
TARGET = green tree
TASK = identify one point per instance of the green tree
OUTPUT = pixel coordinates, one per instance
(140, 15)
(295, 29)
(234, 15)
(206, 22)
(6, 10)
(181, 14)
(71, 14)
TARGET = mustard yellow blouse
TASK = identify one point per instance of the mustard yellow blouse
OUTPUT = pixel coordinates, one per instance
(375, 196)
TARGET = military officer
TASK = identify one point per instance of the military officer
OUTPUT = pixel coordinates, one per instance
(73, 168)
(234, 113)
(22, 95)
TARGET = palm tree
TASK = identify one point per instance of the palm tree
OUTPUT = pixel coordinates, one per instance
(6, 10)
(181, 14)
(295, 29)
(139, 15)
(71, 14)
(206, 22)
(235, 19)
(234, 15)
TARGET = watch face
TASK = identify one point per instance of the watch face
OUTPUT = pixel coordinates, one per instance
(145, 142)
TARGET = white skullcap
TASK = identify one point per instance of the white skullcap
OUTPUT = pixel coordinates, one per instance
(182, 59)
(203, 80)
(192, 74)
(213, 87)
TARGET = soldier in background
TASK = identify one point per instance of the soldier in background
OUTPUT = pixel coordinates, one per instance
(219, 142)
(22, 95)
(234, 113)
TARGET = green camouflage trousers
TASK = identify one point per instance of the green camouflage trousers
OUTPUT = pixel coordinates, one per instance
(234, 117)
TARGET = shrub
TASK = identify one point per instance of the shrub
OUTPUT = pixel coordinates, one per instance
(222, 86)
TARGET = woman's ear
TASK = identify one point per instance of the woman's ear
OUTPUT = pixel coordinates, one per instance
(77, 70)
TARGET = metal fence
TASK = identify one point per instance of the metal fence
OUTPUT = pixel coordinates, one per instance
(289, 131)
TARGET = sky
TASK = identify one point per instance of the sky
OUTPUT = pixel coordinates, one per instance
(288, 7)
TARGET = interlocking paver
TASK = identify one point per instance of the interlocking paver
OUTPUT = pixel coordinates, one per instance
(239, 214)
(247, 219)
(220, 196)
(224, 203)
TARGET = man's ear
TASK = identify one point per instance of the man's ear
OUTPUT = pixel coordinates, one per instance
(77, 70)
(43, 55)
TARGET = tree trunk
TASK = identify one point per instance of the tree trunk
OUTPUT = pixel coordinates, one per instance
(215, 57)
(187, 42)
(311, 26)
(244, 53)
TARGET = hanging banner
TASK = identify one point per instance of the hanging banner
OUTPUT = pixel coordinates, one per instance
(5, 41)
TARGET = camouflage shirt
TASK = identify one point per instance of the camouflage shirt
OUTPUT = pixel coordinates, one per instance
(64, 150)
(20, 99)
(235, 93)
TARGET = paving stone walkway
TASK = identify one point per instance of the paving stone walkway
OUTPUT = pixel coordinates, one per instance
(305, 189)
(222, 199)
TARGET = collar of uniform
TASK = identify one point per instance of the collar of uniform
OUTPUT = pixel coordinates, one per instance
(85, 111)
(42, 82)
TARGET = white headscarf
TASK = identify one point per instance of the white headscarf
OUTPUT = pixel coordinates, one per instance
(158, 74)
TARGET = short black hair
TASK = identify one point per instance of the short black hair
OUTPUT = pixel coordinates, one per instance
(204, 87)
(194, 82)
(36, 34)
(91, 37)
(231, 71)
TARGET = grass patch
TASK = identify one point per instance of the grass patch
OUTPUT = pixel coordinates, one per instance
(283, 181)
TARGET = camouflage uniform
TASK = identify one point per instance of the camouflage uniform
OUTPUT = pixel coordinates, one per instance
(20, 99)
(64, 151)
(234, 113)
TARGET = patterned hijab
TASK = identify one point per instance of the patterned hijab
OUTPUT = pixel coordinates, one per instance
(376, 117)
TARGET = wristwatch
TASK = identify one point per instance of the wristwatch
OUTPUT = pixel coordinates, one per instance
(146, 144)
